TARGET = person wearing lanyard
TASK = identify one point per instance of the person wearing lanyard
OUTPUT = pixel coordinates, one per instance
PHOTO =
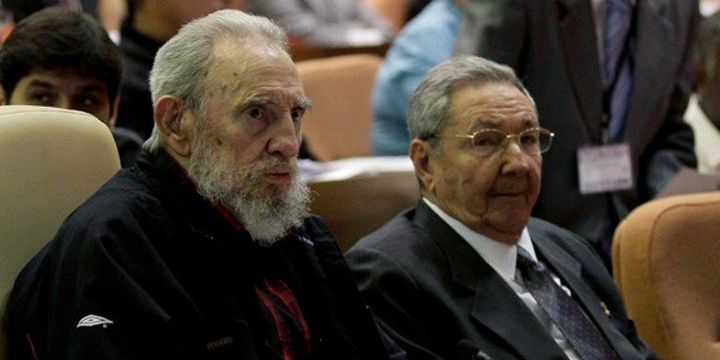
(612, 78)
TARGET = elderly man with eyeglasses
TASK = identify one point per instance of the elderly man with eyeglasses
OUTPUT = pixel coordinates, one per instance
(468, 274)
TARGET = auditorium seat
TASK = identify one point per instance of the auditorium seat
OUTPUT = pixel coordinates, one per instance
(354, 207)
(51, 160)
(394, 11)
(666, 262)
(338, 125)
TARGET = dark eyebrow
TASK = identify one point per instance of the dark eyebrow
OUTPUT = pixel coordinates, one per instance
(41, 83)
(484, 123)
(530, 123)
(92, 88)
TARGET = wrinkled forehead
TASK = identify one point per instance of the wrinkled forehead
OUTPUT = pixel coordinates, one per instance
(247, 56)
(492, 105)
(235, 62)
(241, 71)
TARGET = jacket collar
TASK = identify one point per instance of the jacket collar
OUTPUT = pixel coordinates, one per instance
(172, 185)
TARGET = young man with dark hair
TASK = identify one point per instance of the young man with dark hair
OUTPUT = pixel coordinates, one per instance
(62, 58)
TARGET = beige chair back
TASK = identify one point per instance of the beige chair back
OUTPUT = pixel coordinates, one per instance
(666, 261)
(338, 125)
(51, 160)
(394, 11)
(355, 207)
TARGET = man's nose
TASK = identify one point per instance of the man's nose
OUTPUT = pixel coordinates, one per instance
(64, 103)
(515, 160)
(286, 140)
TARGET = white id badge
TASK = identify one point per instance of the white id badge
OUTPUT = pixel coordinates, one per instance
(604, 168)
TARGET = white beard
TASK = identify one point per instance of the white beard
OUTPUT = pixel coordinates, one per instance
(266, 216)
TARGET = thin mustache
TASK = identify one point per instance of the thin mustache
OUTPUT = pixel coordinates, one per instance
(276, 165)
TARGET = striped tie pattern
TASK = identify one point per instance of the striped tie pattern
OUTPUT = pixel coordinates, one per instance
(617, 72)
(581, 332)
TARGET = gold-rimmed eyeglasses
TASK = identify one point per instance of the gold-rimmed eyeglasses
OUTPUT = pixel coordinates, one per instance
(532, 141)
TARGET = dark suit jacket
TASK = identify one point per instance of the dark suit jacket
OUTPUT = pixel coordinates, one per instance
(430, 289)
(552, 46)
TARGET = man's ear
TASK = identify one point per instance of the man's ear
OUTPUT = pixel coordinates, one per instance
(421, 153)
(175, 125)
(114, 111)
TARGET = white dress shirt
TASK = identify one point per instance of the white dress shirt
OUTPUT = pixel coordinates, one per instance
(707, 138)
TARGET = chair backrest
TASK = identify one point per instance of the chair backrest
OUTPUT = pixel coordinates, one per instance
(394, 11)
(51, 160)
(338, 125)
(353, 208)
(666, 262)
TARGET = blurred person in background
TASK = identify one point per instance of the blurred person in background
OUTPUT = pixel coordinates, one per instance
(63, 58)
(709, 7)
(150, 24)
(424, 42)
(612, 79)
(326, 22)
(110, 13)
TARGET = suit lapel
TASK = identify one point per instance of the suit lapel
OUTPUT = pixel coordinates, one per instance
(496, 308)
(653, 40)
(570, 272)
(578, 41)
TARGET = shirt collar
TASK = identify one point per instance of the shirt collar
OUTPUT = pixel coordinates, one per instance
(500, 256)
(707, 137)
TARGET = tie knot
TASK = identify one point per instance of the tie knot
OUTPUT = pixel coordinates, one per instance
(524, 260)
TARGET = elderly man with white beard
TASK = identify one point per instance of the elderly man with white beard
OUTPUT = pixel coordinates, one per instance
(205, 249)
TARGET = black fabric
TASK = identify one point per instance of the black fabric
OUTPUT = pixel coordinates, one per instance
(416, 6)
(129, 145)
(176, 279)
(24, 8)
(138, 53)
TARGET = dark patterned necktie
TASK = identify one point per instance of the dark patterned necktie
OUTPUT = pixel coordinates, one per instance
(617, 67)
(583, 335)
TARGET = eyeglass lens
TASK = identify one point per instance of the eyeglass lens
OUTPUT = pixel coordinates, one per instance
(531, 141)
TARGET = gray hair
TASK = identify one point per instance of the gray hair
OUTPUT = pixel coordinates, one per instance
(181, 65)
(429, 109)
